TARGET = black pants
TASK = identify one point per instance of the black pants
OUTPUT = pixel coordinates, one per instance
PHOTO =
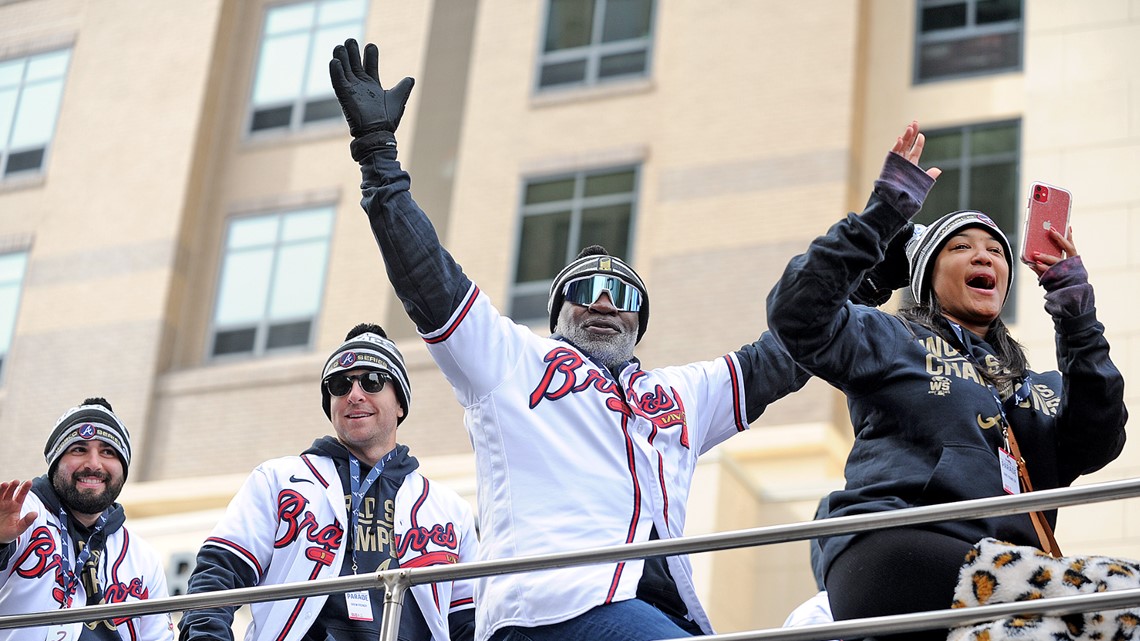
(896, 571)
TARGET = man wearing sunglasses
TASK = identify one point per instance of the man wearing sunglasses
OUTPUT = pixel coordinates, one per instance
(349, 504)
(576, 446)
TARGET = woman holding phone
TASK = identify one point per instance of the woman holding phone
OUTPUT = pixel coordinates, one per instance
(940, 394)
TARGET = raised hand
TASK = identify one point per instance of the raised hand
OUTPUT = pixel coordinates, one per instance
(1042, 262)
(367, 106)
(12, 525)
(909, 146)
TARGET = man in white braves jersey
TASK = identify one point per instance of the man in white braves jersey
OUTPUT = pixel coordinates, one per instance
(62, 539)
(352, 504)
(576, 446)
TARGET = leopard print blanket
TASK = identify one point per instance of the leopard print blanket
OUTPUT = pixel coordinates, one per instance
(997, 572)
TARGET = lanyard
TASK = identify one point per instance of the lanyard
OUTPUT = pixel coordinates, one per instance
(1019, 395)
(359, 489)
(70, 580)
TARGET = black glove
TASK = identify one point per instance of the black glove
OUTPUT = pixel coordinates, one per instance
(368, 107)
(891, 273)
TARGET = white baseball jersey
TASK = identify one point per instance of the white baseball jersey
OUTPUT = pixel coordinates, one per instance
(33, 580)
(569, 458)
(289, 528)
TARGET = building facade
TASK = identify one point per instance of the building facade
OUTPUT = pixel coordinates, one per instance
(180, 229)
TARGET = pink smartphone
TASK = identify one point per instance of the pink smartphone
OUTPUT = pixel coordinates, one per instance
(1048, 209)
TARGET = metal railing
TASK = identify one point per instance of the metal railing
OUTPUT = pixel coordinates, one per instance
(396, 582)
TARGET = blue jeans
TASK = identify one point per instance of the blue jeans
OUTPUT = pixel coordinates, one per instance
(632, 620)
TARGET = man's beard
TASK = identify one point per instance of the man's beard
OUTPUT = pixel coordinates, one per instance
(86, 502)
(612, 351)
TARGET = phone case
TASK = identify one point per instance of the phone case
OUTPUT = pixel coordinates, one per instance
(1048, 208)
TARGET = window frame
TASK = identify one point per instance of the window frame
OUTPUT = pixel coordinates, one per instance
(969, 31)
(6, 137)
(577, 203)
(593, 52)
(265, 322)
(298, 102)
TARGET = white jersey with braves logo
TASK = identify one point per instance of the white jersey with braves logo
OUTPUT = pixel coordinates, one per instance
(569, 458)
(288, 520)
(33, 579)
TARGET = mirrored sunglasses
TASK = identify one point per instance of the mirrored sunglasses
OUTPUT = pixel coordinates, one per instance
(586, 291)
(370, 382)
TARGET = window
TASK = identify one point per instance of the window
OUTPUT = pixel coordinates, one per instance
(273, 275)
(12, 267)
(291, 86)
(967, 37)
(592, 41)
(30, 92)
(562, 215)
(980, 171)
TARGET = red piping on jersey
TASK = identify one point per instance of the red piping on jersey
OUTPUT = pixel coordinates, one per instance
(300, 604)
(661, 479)
(733, 376)
(458, 319)
(467, 601)
(419, 503)
(240, 550)
(305, 458)
(632, 464)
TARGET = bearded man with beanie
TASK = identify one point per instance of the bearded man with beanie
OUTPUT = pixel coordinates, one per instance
(349, 504)
(70, 514)
(576, 446)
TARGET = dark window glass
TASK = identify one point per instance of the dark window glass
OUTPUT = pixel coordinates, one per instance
(234, 341)
(626, 19)
(271, 118)
(951, 16)
(995, 52)
(288, 335)
(530, 306)
(30, 160)
(569, 24)
(549, 191)
(322, 110)
(606, 226)
(621, 65)
(998, 11)
(621, 182)
(542, 251)
(563, 73)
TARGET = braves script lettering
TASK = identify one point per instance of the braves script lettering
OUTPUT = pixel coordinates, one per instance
(418, 538)
(299, 521)
(659, 407)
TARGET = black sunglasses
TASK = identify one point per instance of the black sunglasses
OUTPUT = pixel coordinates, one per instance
(370, 382)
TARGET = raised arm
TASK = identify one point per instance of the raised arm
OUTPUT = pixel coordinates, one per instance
(1092, 414)
(427, 279)
(808, 309)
